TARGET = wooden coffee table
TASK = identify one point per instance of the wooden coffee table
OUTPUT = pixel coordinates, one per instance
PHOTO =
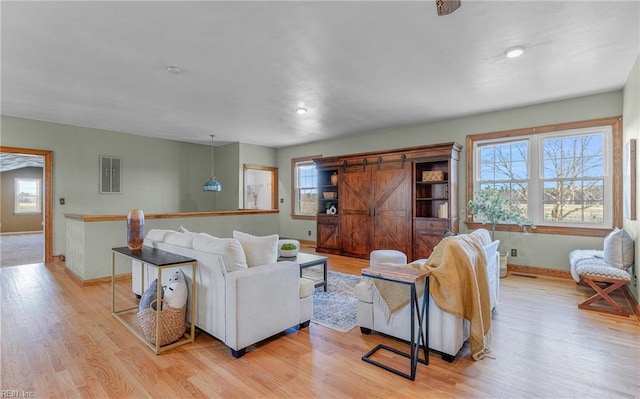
(307, 260)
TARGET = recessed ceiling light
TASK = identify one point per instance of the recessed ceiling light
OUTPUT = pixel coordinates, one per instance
(513, 52)
(301, 110)
(174, 69)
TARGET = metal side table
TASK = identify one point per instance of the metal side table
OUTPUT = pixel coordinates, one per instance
(407, 276)
(160, 260)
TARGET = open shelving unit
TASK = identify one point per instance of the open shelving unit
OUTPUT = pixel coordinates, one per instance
(327, 191)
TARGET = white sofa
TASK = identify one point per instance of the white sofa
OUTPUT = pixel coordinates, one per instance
(237, 304)
(447, 333)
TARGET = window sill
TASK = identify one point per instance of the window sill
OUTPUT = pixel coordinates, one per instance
(569, 231)
(303, 217)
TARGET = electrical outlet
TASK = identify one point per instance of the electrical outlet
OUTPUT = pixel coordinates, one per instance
(309, 232)
(514, 253)
(635, 281)
(61, 201)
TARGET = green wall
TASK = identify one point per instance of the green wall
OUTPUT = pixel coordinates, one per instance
(631, 130)
(541, 250)
(227, 157)
(159, 176)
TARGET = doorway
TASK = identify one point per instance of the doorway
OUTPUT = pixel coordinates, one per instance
(47, 188)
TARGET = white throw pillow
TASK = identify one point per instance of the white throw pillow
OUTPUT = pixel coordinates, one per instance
(618, 249)
(258, 250)
(229, 248)
(175, 293)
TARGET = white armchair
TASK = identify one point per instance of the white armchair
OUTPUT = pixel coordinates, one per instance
(447, 333)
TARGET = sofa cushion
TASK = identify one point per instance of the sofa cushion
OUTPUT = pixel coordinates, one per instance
(258, 250)
(175, 293)
(618, 249)
(157, 234)
(307, 287)
(364, 291)
(180, 239)
(229, 248)
(595, 267)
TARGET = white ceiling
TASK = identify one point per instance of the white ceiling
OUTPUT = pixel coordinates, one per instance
(357, 66)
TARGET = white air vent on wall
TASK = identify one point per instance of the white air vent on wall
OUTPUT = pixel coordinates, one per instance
(110, 175)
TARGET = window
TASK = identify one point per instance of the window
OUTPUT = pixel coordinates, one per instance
(27, 196)
(562, 177)
(304, 192)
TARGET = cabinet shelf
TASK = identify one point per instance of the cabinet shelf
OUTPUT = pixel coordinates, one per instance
(432, 199)
(430, 183)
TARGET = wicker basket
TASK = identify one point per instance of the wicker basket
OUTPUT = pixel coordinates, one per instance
(172, 323)
(432, 175)
(329, 195)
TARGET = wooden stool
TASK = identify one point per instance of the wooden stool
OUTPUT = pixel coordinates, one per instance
(604, 279)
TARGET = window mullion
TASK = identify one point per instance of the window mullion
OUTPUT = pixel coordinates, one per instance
(535, 203)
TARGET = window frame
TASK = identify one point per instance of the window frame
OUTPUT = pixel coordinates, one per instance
(294, 186)
(615, 123)
(38, 196)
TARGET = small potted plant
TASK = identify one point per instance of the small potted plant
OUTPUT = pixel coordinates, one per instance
(288, 250)
(493, 206)
(331, 209)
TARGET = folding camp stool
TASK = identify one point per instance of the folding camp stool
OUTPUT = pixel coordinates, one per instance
(604, 279)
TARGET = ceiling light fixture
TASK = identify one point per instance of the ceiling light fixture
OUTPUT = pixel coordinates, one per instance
(301, 110)
(174, 70)
(212, 185)
(513, 52)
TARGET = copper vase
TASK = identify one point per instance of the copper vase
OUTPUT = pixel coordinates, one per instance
(135, 229)
(334, 179)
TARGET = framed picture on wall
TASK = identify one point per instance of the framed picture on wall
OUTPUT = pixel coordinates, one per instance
(260, 187)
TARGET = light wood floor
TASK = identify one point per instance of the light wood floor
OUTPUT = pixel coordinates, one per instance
(60, 340)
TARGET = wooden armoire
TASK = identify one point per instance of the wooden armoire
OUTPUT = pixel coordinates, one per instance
(403, 199)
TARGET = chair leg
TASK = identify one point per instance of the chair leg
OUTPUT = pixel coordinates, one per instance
(610, 286)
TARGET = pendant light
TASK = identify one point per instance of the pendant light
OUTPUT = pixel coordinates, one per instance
(212, 185)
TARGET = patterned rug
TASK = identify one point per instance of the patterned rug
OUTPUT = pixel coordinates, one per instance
(336, 308)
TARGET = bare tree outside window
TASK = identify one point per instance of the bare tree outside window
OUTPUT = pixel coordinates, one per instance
(570, 182)
(573, 179)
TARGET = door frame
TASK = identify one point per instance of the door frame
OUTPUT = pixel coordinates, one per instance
(48, 194)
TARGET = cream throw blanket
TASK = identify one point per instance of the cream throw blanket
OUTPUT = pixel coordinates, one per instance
(458, 285)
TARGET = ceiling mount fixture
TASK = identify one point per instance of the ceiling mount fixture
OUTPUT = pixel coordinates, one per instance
(174, 70)
(513, 52)
(301, 110)
(212, 185)
(446, 7)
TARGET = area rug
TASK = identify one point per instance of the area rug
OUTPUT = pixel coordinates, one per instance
(336, 308)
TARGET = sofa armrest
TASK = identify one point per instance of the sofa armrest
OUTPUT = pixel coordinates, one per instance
(261, 301)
